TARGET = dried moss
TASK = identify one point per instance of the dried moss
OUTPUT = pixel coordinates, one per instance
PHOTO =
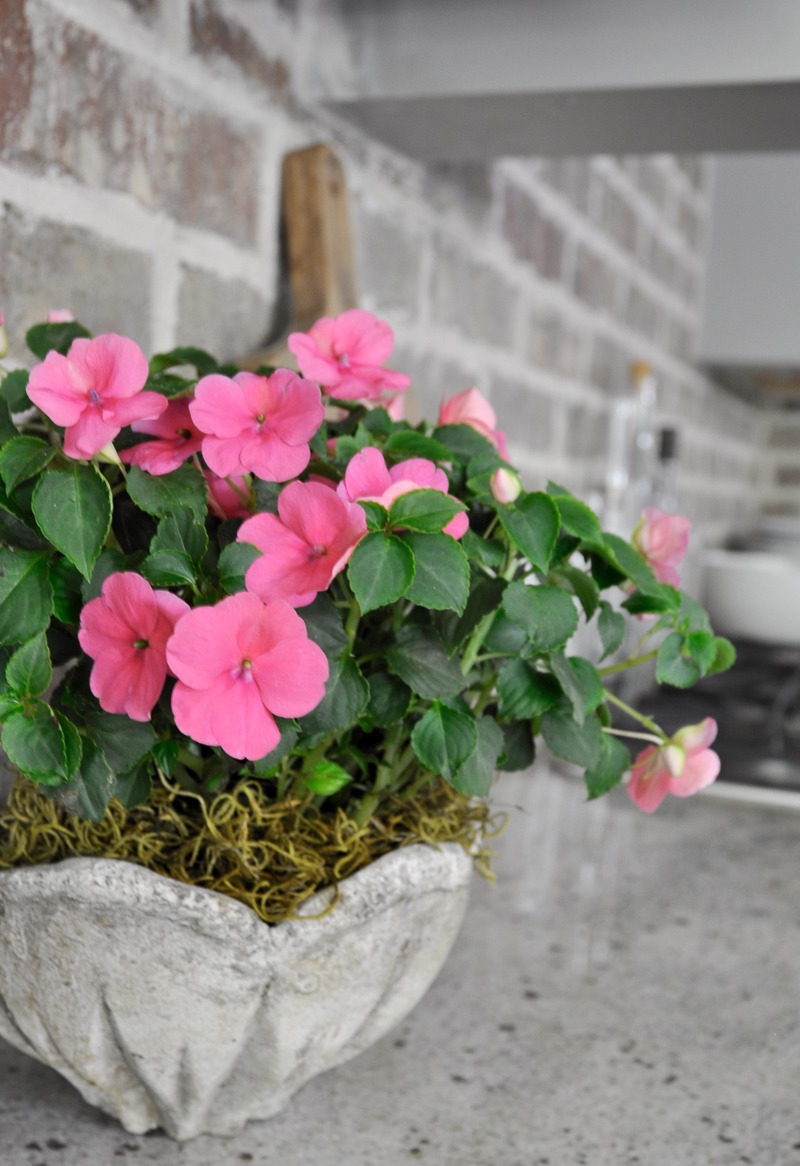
(271, 856)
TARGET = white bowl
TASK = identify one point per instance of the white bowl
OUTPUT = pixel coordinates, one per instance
(753, 595)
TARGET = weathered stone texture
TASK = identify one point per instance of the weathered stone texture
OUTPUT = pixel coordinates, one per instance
(16, 67)
(533, 236)
(553, 344)
(611, 366)
(215, 35)
(46, 265)
(587, 432)
(523, 412)
(390, 261)
(470, 296)
(594, 281)
(227, 317)
(107, 121)
(619, 219)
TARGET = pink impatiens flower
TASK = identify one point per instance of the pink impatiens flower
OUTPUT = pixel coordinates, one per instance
(368, 478)
(94, 391)
(471, 408)
(305, 545)
(258, 425)
(178, 436)
(682, 766)
(223, 499)
(345, 354)
(3, 337)
(60, 316)
(125, 631)
(663, 539)
(239, 665)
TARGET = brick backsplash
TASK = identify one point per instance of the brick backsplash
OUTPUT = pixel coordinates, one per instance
(140, 151)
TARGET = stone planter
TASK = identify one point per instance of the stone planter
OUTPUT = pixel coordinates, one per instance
(169, 1005)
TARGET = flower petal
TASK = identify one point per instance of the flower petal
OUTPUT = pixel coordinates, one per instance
(219, 407)
(291, 677)
(117, 365)
(700, 770)
(696, 737)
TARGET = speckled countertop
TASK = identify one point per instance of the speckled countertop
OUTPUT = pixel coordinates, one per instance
(628, 994)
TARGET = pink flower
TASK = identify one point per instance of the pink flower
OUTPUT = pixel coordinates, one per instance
(180, 438)
(505, 486)
(125, 631)
(345, 354)
(663, 539)
(368, 478)
(94, 391)
(60, 316)
(681, 767)
(3, 337)
(223, 499)
(259, 425)
(305, 546)
(471, 408)
(239, 665)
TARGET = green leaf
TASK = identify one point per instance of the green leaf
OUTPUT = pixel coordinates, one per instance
(532, 523)
(92, 787)
(444, 738)
(289, 734)
(9, 704)
(418, 657)
(484, 598)
(34, 742)
(380, 570)
(73, 510)
(267, 494)
(26, 597)
(584, 587)
(579, 744)
(108, 563)
(504, 635)
(16, 531)
(160, 495)
(580, 682)
(577, 518)
(377, 515)
(486, 551)
(555, 490)
(724, 656)
(234, 561)
(43, 338)
(462, 441)
(612, 761)
(441, 577)
(8, 430)
(167, 385)
(389, 699)
(201, 360)
(525, 693)
(547, 614)
(180, 531)
(168, 569)
(603, 572)
(123, 741)
(642, 604)
(346, 694)
(424, 511)
(566, 545)
(408, 443)
(350, 444)
(631, 563)
(327, 778)
(29, 670)
(518, 748)
(324, 626)
(14, 390)
(475, 775)
(22, 458)
(378, 421)
(674, 665)
(702, 647)
(65, 579)
(693, 614)
(134, 787)
(611, 626)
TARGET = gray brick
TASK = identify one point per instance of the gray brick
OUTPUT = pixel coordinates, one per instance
(465, 186)
(642, 314)
(470, 296)
(587, 432)
(148, 9)
(107, 121)
(611, 366)
(552, 344)
(572, 177)
(785, 436)
(46, 265)
(389, 263)
(16, 74)
(525, 414)
(595, 282)
(788, 475)
(215, 35)
(225, 316)
(689, 225)
(619, 219)
(693, 169)
(652, 181)
(431, 379)
(533, 236)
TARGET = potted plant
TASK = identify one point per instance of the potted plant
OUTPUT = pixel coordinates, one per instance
(264, 647)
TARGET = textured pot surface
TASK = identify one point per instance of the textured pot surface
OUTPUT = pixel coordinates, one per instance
(170, 1005)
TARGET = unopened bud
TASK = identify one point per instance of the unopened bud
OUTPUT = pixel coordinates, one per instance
(3, 337)
(109, 454)
(505, 485)
(60, 316)
(674, 759)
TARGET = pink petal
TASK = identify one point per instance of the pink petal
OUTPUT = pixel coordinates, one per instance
(88, 435)
(205, 643)
(283, 572)
(117, 365)
(240, 723)
(192, 710)
(99, 625)
(291, 677)
(457, 527)
(468, 408)
(148, 684)
(700, 770)
(270, 459)
(132, 600)
(366, 475)
(171, 608)
(113, 678)
(649, 792)
(316, 514)
(175, 417)
(274, 623)
(223, 500)
(365, 338)
(57, 388)
(219, 407)
(161, 457)
(422, 472)
(139, 408)
(299, 412)
(313, 363)
(696, 737)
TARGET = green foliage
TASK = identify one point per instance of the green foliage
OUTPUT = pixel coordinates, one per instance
(346, 694)
(444, 739)
(29, 671)
(14, 390)
(22, 458)
(419, 658)
(42, 744)
(475, 775)
(547, 614)
(518, 747)
(441, 576)
(73, 510)
(532, 523)
(389, 699)
(26, 597)
(44, 338)
(234, 561)
(380, 570)
(525, 692)
(570, 740)
(611, 626)
(424, 511)
(613, 759)
(165, 494)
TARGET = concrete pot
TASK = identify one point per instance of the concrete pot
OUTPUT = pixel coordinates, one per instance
(169, 1005)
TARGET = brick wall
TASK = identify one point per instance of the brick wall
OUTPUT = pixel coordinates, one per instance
(140, 149)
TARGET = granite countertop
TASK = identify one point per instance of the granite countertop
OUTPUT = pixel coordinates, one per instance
(628, 994)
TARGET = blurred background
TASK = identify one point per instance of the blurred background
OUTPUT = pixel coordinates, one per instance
(587, 210)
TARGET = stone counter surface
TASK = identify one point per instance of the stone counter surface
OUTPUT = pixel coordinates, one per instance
(628, 994)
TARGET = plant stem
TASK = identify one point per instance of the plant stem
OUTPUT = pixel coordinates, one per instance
(351, 627)
(638, 736)
(643, 720)
(631, 662)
